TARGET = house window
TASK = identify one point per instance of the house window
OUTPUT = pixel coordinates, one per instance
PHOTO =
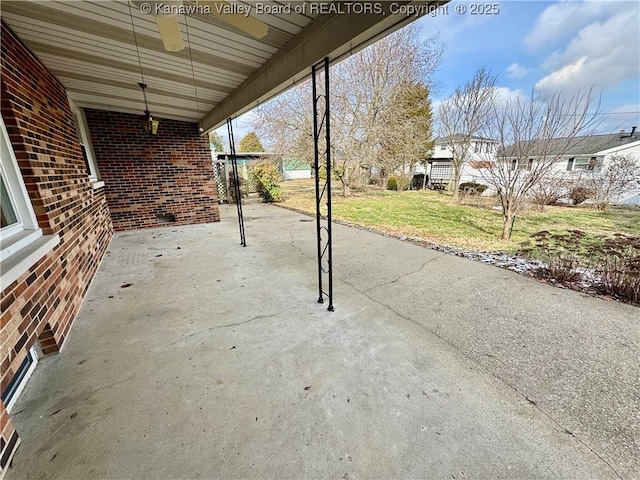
(581, 164)
(478, 147)
(514, 164)
(443, 147)
(84, 139)
(21, 241)
(593, 162)
(570, 164)
(530, 164)
(7, 207)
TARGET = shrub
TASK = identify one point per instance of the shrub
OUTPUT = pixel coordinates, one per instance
(619, 267)
(549, 190)
(232, 190)
(398, 183)
(467, 187)
(268, 179)
(579, 194)
(562, 255)
(565, 257)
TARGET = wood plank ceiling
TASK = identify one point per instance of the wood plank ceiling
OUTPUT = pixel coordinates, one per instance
(90, 47)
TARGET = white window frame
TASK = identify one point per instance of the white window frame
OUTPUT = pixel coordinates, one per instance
(33, 352)
(85, 140)
(581, 164)
(21, 244)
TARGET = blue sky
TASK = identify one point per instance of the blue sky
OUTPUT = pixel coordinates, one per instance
(546, 47)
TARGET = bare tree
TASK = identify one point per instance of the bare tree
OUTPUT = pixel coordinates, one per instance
(533, 136)
(286, 121)
(621, 175)
(362, 94)
(464, 115)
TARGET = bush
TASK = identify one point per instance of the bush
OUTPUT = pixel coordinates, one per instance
(619, 267)
(398, 183)
(613, 262)
(232, 190)
(549, 190)
(467, 187)
(268, 179)
(563, 255)
(579, 194)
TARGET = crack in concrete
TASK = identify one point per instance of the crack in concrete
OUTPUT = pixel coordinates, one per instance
(402, 276)
(257, 317)
(488, 370)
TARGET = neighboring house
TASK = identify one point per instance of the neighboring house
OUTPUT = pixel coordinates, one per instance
(294, 169)
(439, 167)
(590, 153)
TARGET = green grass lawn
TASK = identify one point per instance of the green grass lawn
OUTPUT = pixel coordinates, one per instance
(437, 217)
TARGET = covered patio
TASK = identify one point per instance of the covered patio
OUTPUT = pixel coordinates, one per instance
(106, 107)
(193, 357)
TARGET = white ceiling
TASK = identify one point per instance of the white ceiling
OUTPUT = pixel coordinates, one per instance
(90, 47)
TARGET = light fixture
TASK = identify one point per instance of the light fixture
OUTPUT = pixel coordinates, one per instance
(149, 123)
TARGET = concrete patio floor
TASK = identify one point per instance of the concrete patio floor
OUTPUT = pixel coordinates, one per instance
(217, 362)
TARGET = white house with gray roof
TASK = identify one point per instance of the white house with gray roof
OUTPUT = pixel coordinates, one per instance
(439, 167)
(583, 154)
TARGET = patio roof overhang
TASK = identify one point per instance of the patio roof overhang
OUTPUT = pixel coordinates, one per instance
(223, 72)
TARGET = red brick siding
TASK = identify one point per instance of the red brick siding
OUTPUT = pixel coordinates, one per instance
(151, 175)
(44, 301)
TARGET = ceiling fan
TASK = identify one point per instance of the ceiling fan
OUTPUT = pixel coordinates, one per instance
(169, 27)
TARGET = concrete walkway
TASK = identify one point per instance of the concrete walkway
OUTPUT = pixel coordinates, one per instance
(217, 362)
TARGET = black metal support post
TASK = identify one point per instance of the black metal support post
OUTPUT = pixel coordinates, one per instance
(236, 181)
(322, 151)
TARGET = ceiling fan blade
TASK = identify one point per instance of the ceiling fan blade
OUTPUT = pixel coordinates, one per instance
(170, 32)
(254, 27)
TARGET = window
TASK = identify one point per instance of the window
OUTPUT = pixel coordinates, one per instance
(85, 144)
(581, 164)
(21, 241)
(7, 207)
(570, 164)
(477, 148)
(16, 385)
(443, 147)
(530, 164)
(514, 164)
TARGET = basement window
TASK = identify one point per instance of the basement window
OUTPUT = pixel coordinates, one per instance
(11, 393)
(21, 241)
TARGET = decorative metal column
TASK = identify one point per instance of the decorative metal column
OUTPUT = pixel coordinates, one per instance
(236, 181)
(322, 158)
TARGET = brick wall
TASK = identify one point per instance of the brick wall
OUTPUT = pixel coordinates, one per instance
(152, 176)
(44, 301)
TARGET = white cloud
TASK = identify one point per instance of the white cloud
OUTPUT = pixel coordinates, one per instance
(566, 17)
(568, 74)
(505, 94)
(516, 70)
(600, 54)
